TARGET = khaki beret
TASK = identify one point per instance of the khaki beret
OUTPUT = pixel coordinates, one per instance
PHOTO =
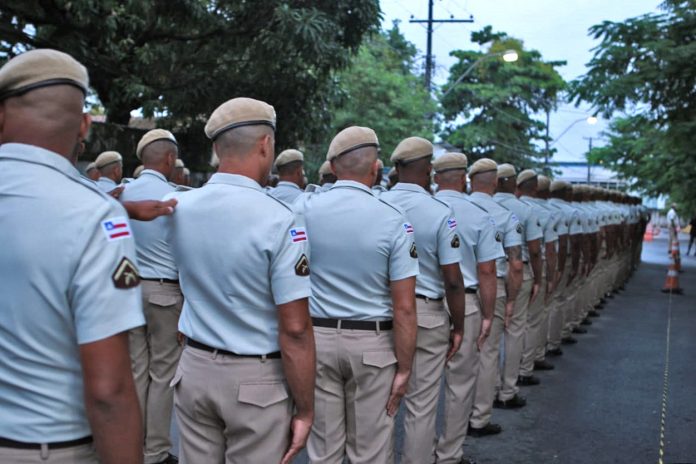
(351, 138)
(450, 161)
(138, 171)
(392, 172)
(380, 163)
(40, 68)
(325, 169)
(288, 156)
(579, 188)
(543, 182)
(106, 158)
(187, 172)
(153, 136)
(506, 170)
(525, 175)
(179, 163)
(90, 166)
(557, 185)
(239, 112)
(483, 165)
(411, 149)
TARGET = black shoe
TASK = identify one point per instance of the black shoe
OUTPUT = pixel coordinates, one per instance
(569, 340)
(170, 459)
(579, 330)
(555, 351)
(466, 461)
(543, 366)
(593, 313)
(602, 301)
(527, 381)
(586, 322)
(515, 402)
(599, 307)
(488, 429)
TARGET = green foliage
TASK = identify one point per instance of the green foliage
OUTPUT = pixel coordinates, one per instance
(381, 91)
(498, 101)
(643, 68)
(182, 58)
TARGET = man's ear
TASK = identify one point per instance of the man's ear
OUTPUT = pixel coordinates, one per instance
(84, 126)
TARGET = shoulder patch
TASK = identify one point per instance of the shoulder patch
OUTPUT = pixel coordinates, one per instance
(297, 235)
(455, 241)
(116, 228)
(302, 266)
(519, 228)
(491, 220)
(498, 237)
(413, 251)
(408, 228)
(538, 223)
(452, 223)
(126, 274)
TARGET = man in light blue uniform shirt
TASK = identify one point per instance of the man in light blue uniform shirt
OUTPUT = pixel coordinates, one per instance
(515, 332)
(290, 165)
(439, 245)
(364, 263)
(154, 348)
(326, 176)
(481, 245)
(69, 282)
(110, 167)
(243, 266)
(484, 181)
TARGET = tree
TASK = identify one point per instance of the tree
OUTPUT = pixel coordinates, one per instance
(498, 101)
(381, 90)
(179, 59)
(643, 70)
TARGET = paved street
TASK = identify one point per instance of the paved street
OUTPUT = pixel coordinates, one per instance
(602, 403)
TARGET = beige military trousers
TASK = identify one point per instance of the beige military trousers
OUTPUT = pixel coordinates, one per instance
(420, 402)
(83, 454)
(155, 352)
(514, 340)
(460, 384)
(355, 370)
(535, 335)
(231, 409)
(557, 312)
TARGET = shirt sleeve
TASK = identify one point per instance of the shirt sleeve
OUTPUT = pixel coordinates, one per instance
(575, 223)
(489, 245)
(105, 294)
(551, 229)
(403, 259)
(448, 241)
(290, 266)
(532, 226)
(513, 230)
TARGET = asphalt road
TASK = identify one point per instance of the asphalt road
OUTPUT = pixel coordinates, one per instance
(603, 402)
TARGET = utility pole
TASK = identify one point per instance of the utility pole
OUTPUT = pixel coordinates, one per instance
(546, 141)
(589, 165)
(429, 48)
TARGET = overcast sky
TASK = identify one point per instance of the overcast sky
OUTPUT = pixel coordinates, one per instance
(557, 28)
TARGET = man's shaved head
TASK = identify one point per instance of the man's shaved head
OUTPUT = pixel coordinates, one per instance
(48, 117)
(155, 152)
(484, 181)
(356, 163)
(241, 141)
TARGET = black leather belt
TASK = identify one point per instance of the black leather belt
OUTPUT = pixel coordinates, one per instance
(423, 297)
(7, 443)
(204, 347)
(471, 290)
(162, 281)
(352, 325)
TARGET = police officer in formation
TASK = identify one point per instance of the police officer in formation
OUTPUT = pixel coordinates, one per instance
(405, 288)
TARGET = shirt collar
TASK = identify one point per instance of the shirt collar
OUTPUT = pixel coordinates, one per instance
(38, 155)
(505, 195)
(352, 184)
(107, 180)
(410, 188)
(157, 174)
(448, 193)
(234, 179)
(481, 195)
(288, 184)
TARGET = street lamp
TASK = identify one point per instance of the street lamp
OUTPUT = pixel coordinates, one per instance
(509, 56)
(591, 120)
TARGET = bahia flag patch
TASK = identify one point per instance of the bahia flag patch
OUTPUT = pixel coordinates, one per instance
(408, 228)
(298, 234)
(116, 228)
(452, 223)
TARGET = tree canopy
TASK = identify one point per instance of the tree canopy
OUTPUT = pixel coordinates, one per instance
(643, 72)
(493, 111)
(180, 59)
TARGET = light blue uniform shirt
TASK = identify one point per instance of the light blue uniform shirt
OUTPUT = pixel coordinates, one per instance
(379, 189)
(105, 184)
(435, 233)
(506, 223)
(481, 240)
(570, 223)
(155, 257)
(286, 191)
(359, 244)
(239, 253)
(531, 223)
(547, 216)
(58, 258)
